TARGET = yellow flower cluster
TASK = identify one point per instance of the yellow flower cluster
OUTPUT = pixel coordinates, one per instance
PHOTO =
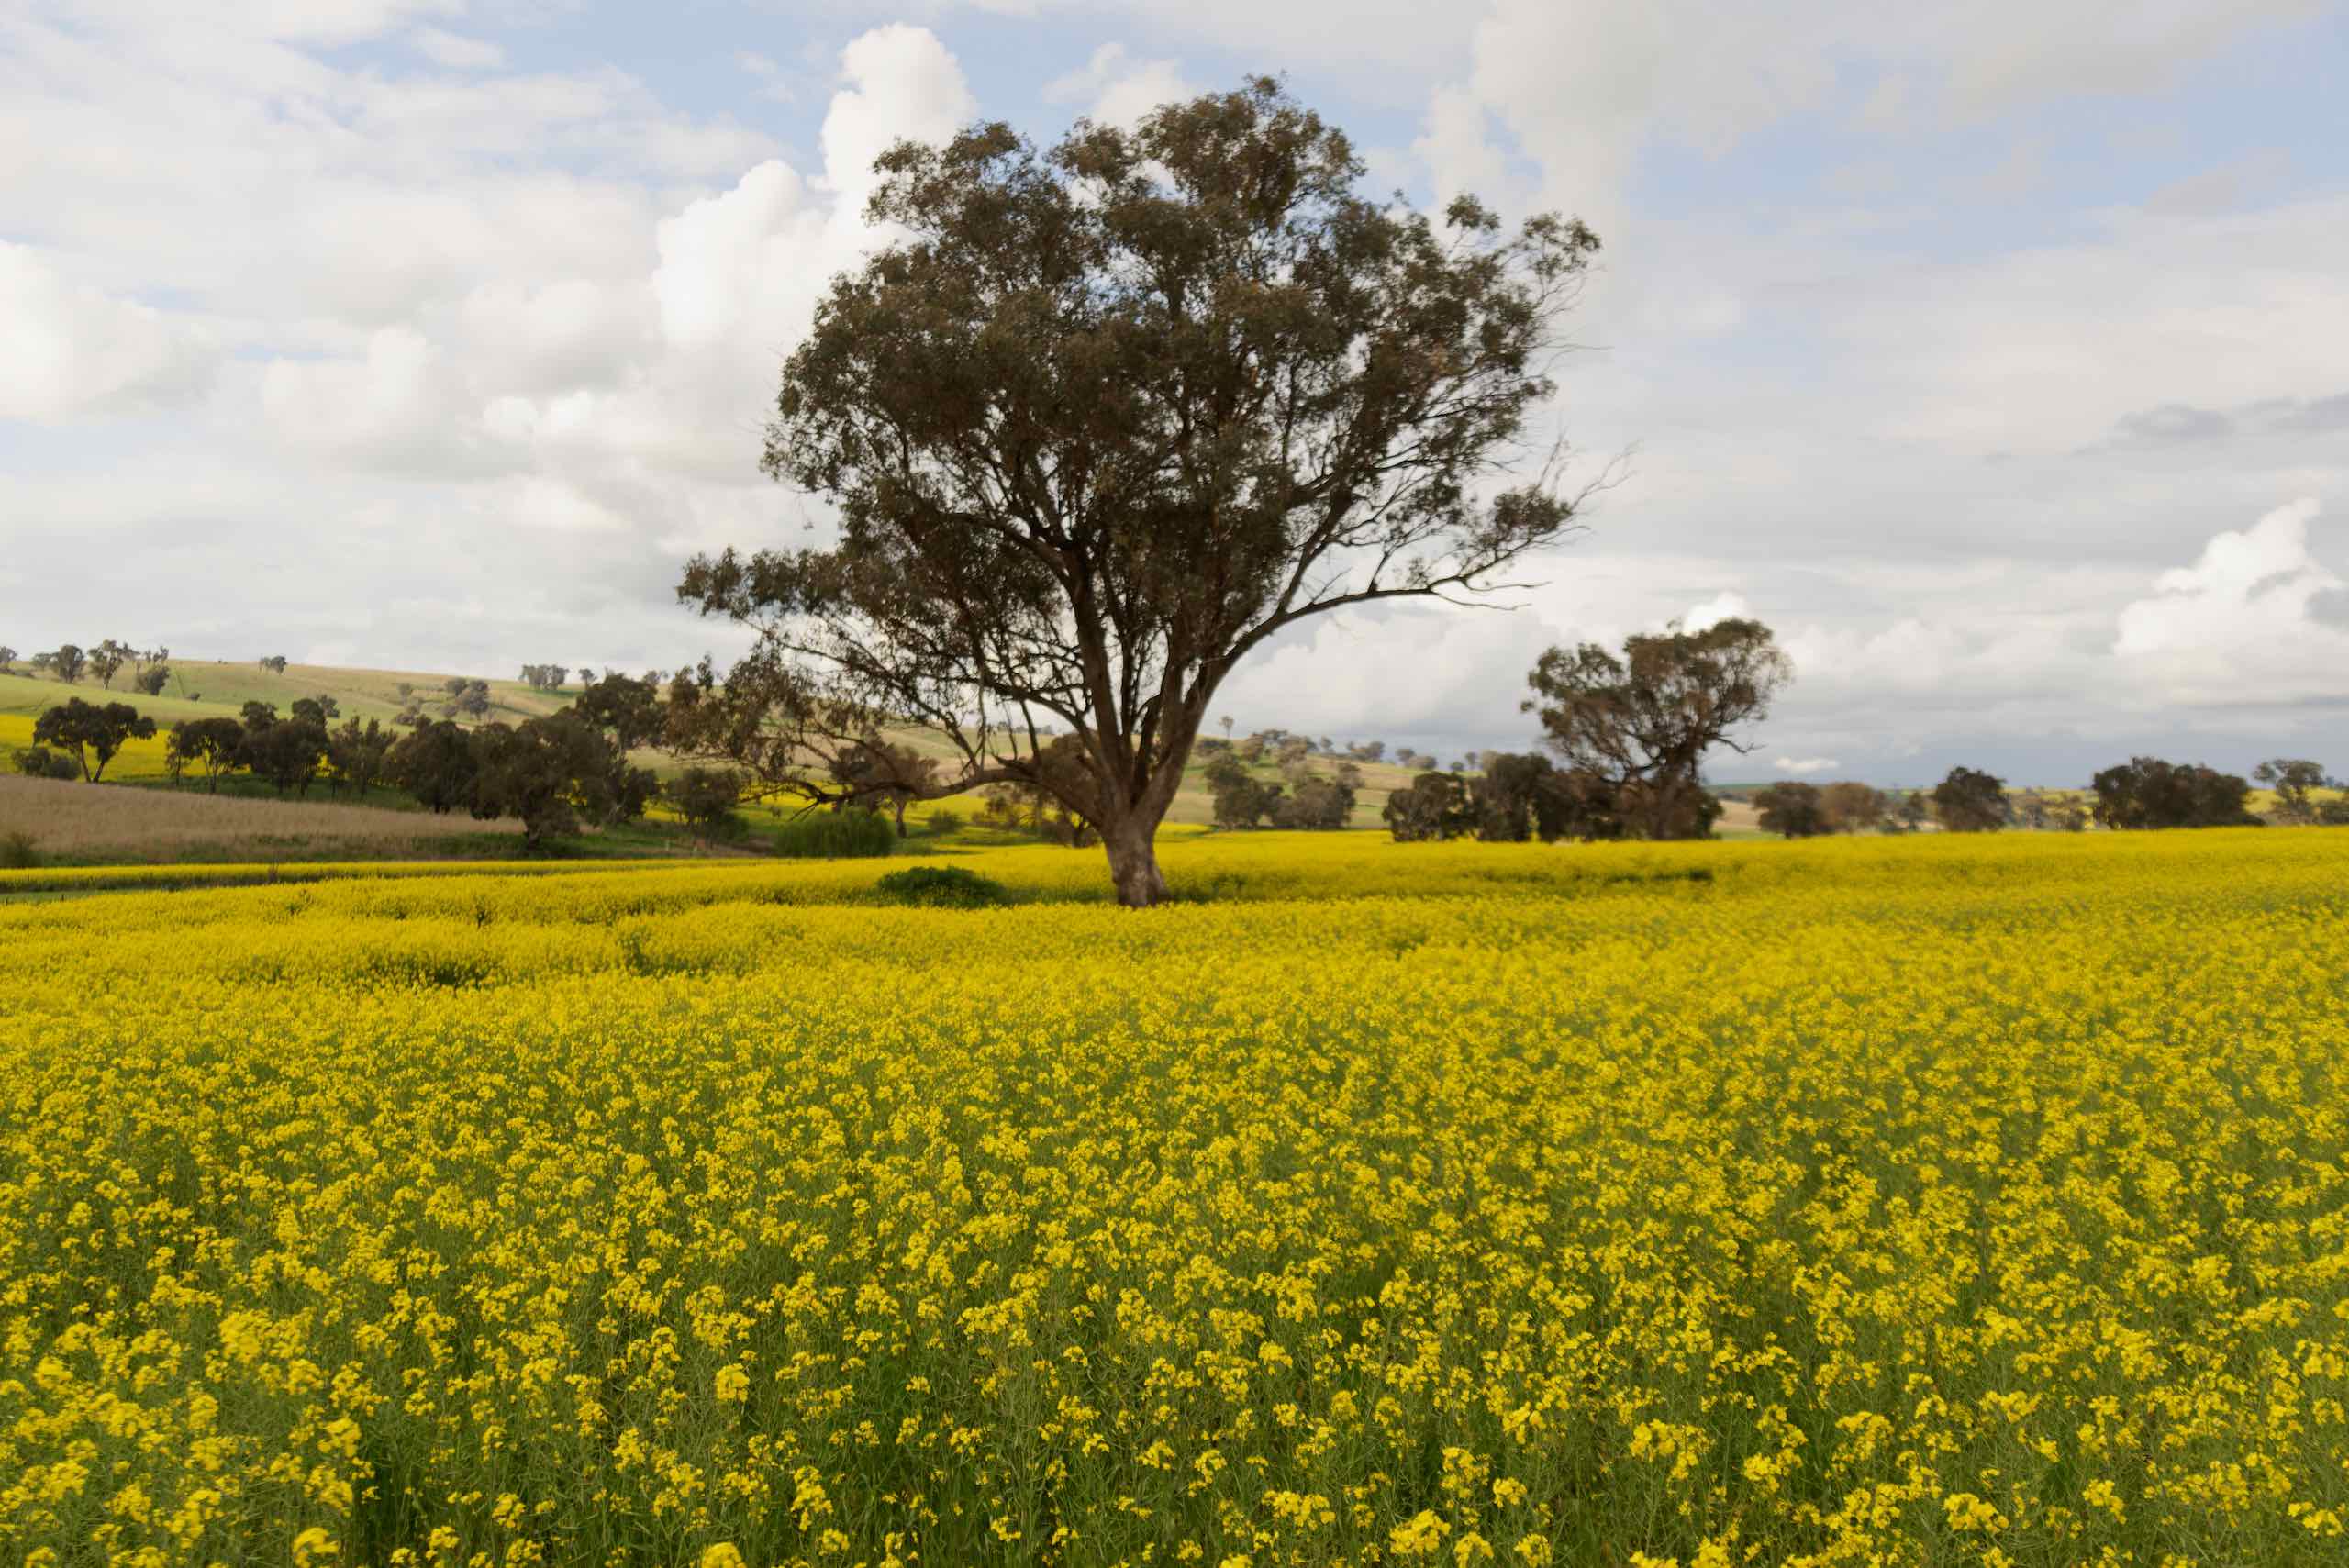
(1911, 1202)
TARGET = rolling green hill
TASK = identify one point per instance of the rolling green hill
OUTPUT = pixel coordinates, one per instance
(205, 688)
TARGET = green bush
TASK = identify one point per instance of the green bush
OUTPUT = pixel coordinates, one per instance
(40, 763)
(835, 836)
(948, 888)
(943, 821)
(16, 851)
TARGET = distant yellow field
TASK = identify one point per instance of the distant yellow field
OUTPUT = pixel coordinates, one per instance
(1912, 1201)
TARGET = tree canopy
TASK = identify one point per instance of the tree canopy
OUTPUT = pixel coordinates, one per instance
(2147, 792)
(1968, 800)
(1108, 416)
(1643, 720)
(88, 730)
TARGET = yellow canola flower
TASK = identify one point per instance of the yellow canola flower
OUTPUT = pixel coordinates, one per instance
(1717, 1204)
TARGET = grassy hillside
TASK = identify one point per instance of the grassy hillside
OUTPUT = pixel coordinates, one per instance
(206, 688)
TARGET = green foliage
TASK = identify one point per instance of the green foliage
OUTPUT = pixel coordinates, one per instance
(552, 773)
(1970, 801)
(1794, 809)
(1644, 720)
(707, 798)
(16, 851)
(40, 763)
(212, 742)
(1434, 808)
(627, 708)
(435, 763)
(2295, 781)
(949, 887)
(835, 835)
(1242, 800)
(1104, 417)
(2147, 792)
(89, 729)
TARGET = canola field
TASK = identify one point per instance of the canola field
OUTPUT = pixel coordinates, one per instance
(1916, 1202)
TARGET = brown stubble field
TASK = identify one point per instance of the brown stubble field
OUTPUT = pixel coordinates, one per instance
(86, 823)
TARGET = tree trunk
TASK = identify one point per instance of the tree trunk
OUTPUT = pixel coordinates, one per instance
(1133, 862)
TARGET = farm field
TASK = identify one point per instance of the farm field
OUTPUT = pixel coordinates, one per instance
(1915, 1201)
(76, 822)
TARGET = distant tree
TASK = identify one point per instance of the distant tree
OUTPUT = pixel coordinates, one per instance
(1242, 800)
(630, 710)
(2067, 815)
(2295, 781)
(274, 663)
(68, 662)
(1518, 798)
(2147, 792)
(1435, 805)
(1853, 807)
(1316, 803)
(210, 743)
(708, 799)
(1914, 810)
(44, 661)
(1645, 720)
(89, 731)
(105, 661)
(587, 675)
(885, 773)
(1969, 801)
(470, 697)
(321, 710)
(286, 752)
(435, 765)
(551, 772)
(151, 680)
(357, 755)
(1795, 810)
(545, 677)
(1225, 722)
(406, 690)
(1370, 751)
(7, 659)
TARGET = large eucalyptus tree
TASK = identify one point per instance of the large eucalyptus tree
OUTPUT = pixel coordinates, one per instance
(1100, 420)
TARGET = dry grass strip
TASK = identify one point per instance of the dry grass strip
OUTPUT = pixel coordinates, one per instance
(86, 822)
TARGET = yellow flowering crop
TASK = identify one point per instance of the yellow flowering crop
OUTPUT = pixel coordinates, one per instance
(1910, 1202)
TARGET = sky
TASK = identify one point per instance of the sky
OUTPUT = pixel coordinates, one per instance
(1996, 356)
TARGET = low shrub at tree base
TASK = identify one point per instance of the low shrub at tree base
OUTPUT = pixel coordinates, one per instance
(949, 887)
